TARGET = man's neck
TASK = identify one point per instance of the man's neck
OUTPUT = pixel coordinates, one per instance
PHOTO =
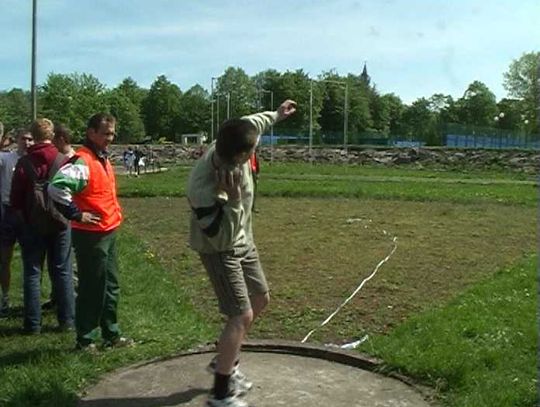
(99, 152)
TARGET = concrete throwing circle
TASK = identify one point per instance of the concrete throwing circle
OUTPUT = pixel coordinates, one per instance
(280, 378)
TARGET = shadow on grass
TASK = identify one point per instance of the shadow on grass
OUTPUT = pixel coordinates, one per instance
(19, 331)
(54, 394)
(171, 400)
(29, 356)
(11, 331)
(14, 312)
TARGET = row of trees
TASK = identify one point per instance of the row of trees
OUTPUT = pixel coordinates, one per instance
(164, 111)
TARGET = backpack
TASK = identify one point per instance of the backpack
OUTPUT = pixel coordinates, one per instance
(41, 210)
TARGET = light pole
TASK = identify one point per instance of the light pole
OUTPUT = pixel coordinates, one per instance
(217, 111)
(345, 112)
(34, 46)
(228, 98)
(212, 100)
(311, 121)
(271, 127)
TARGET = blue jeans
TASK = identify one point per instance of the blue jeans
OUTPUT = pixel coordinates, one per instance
(34, 248)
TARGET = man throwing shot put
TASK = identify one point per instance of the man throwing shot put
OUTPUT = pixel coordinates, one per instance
(220, 193)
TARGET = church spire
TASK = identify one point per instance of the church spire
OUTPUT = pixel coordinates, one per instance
(364, 76)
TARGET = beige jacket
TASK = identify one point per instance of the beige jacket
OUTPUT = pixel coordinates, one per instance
(218, 225)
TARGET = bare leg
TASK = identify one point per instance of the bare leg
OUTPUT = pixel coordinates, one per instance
(230, 341)
(259, 302)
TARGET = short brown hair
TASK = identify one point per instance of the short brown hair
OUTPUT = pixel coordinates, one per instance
(95, 121)
(63, 132)
(41, 130)
(234, 137)
(21, 131)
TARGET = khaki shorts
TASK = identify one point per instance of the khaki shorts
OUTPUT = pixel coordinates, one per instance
(235, 275)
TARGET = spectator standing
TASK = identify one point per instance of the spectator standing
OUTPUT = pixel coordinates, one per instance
(10, 224)
(130, 160)
(40, 163)
(84, 190)
(137, 161)
(62, 140)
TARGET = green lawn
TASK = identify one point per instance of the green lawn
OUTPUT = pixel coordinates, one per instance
(358, 182)
(383, 171)
(478, 350)
(453, 308)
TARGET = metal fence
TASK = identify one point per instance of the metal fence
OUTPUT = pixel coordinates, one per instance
(451, 135)
(456, 135)
(497, 142)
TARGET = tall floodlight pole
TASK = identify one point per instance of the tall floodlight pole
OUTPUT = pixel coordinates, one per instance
(538, 96)
(345, 117)
(211, 118)
(272, 129)
(217, 111)
(311, 120)
(212, 109)
(272, 126)
(34, 44)
(212, 101)
(345, 108)
(228, 105)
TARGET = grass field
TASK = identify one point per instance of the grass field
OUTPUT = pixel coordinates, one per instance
(314, 257)
(454, 307)
(359, 182)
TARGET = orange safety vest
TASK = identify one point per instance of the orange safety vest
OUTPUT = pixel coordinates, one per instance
(99, 196)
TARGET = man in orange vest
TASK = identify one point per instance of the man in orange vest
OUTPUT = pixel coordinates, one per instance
(84, 190)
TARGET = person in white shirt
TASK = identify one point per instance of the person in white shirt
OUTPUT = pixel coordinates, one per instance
(10, 223)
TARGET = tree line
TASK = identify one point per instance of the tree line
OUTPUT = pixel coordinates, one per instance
(164, 111)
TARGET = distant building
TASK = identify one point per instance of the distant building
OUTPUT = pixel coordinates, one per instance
(194, 138)
(364, 75)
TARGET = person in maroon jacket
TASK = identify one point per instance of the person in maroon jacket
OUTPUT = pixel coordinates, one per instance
(42, 157)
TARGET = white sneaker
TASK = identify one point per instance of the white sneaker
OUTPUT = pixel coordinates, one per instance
(239, 383)
(231, 401)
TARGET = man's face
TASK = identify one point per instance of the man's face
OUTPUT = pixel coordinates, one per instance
(24, 141)
(103, 136)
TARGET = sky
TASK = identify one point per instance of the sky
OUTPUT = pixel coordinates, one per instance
(413, 48)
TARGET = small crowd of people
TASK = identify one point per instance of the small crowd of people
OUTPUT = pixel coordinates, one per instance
(54, 198)
(137, 160)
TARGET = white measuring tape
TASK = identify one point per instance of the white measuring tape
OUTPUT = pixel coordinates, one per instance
(394, 241)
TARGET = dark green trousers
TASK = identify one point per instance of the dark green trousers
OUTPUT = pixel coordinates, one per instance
(97, 300)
